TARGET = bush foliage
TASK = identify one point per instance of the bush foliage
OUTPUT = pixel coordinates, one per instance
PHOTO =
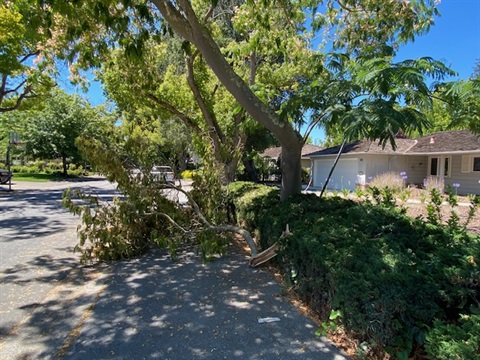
(147, 213)
(46, 167)
(398, 283)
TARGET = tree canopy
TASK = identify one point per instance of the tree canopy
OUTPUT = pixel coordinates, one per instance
(26, 64)
(263, 53)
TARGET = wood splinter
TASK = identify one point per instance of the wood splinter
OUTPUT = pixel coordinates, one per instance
(271, 252)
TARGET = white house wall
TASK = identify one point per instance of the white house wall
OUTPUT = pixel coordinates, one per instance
(469, 181)
(417, 171)
(352, 167)
(416, 167)
(373, 165)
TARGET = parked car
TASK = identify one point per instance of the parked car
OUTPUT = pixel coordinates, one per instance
(5, 176)
(163, 174)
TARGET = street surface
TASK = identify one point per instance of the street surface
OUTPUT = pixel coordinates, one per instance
(51, 307)
(37, 238)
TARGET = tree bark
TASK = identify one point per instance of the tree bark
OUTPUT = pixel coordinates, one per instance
(291, 170)
(181, 17)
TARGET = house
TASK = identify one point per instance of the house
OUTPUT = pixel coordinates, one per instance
(451, 155)
(274, 153)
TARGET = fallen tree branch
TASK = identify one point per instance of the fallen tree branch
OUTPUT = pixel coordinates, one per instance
(217, 228)
(264, 256)
(271, 252)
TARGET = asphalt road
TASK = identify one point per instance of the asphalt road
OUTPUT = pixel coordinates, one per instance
(145, 308)
(37, 238)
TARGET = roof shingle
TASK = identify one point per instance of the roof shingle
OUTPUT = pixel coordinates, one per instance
(445, 141)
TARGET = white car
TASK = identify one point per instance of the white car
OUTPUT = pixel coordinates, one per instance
(163, 174)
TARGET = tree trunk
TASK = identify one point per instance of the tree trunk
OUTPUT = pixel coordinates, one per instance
(181, 17)
(291, 170)
(250, 170)
(230, 170)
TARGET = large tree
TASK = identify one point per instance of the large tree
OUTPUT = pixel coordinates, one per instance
(174, 85)
(273, 39)
(54, 126)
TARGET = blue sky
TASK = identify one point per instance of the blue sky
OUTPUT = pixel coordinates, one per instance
(454, 39)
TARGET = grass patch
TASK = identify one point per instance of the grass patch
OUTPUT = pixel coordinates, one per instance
(36, 177)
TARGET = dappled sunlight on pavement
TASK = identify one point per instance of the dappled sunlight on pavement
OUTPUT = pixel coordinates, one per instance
(154, 308)
(149, 307)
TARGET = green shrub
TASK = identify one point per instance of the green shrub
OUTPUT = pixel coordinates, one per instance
(248, 200)
(35, 167)
(305, 175)
(54, 167)
(388, 275)
(75, 170)
(455, 342)
(17, 169)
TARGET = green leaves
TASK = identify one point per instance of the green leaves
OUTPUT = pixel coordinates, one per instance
(460, 102)
(366, 26)
(51, 131)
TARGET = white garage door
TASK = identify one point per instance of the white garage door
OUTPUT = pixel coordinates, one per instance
(344, 176)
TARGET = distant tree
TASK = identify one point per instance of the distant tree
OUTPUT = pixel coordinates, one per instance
(149, 139)
(51, 131)
(456, 105)
(183, 101)
(476, 70)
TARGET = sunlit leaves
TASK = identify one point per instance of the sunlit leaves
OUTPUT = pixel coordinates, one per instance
(461, 100)
(363, 26)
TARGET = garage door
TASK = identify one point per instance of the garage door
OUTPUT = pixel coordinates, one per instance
(344, 176)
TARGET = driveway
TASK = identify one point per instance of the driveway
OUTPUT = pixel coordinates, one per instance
(145, 308)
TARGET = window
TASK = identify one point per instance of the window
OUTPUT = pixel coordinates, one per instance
(476, 164)
(446, 168)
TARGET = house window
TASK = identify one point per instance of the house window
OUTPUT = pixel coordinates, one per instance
(476, 164)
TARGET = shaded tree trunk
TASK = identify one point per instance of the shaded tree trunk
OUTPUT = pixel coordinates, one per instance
(250, 170)
(291, 170)
(182, 18)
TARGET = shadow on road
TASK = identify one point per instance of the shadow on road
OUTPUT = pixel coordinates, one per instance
(152, 307)
(53, 269)
(22, 213)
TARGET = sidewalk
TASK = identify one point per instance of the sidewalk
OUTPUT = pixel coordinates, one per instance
(152, 307)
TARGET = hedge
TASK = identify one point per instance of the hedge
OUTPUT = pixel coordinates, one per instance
(397, 285)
